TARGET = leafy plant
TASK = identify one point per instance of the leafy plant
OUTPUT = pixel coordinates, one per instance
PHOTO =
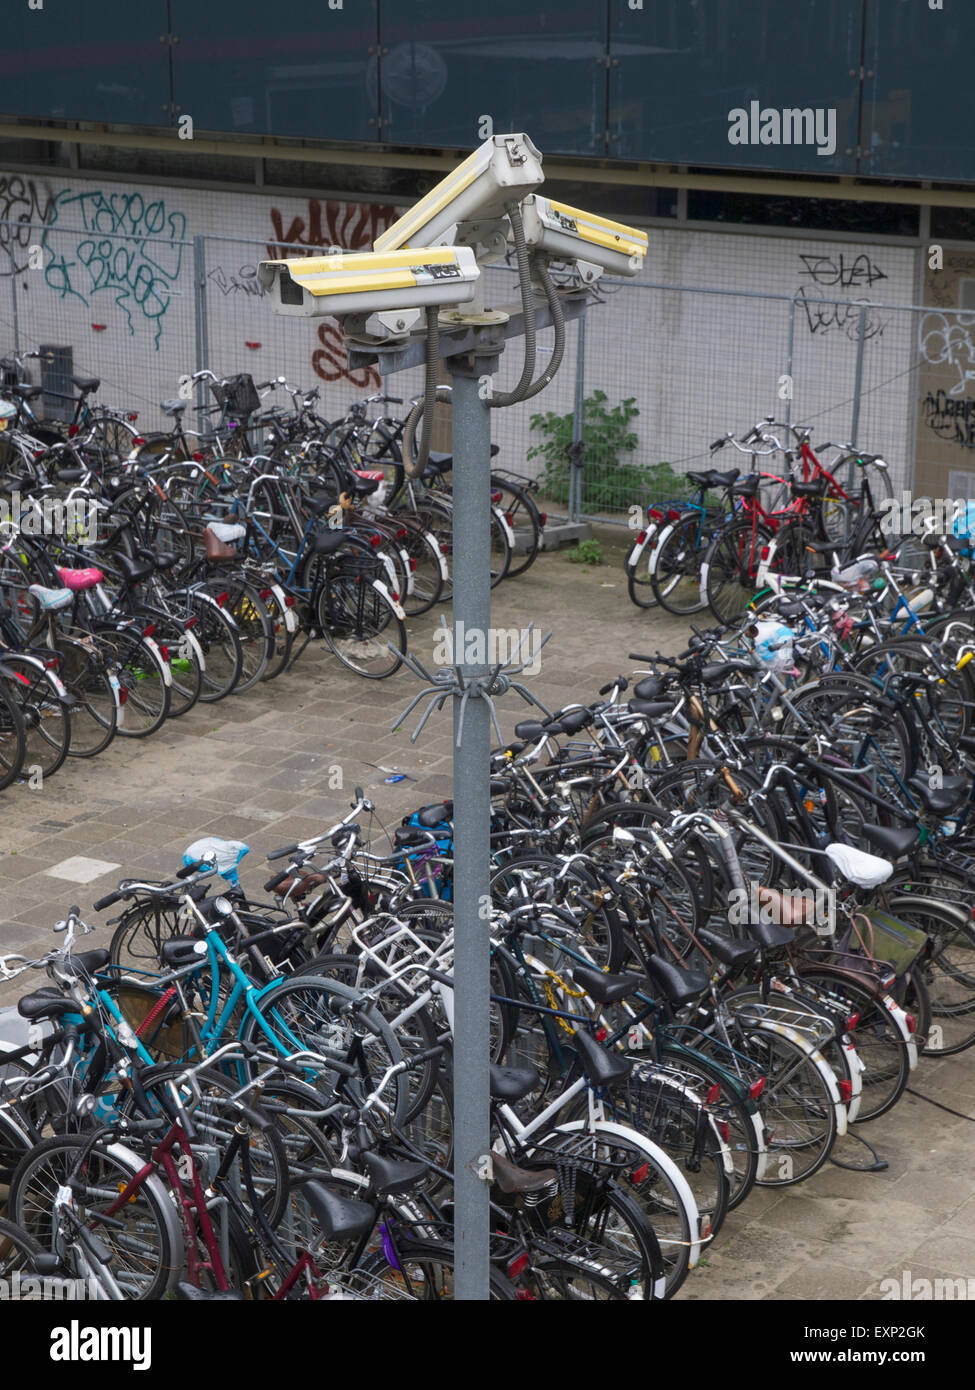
(610, 481)
(586, 553)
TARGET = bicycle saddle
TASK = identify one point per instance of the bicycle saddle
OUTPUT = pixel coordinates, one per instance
(341, 1218)
(393, 1175)
(575, 720)
(728, 950)
(87, 383)
(429, 816)
(133, 571)
(680, 986)
(649, 688)
(45, 1004)
(511, 1084)
(25, 391)
(87, 962)
(893, 843)
(600, 1066)
(747, 486)
(51, 599)
(651, 709)
(817, 488)
(327, 542)
(510, 1178)
(941, 800)
(80, 580)
(856, 866)
(717, 670)
(173, 406)
(603, 987)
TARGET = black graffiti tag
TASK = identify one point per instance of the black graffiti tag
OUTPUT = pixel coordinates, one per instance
(951, 417)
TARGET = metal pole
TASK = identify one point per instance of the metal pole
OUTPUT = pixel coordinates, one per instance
(200, 307)
(472, 814)
(577, 465)
(789, 349)
(858, 379)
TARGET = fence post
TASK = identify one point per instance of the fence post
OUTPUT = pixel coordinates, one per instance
(576, 456)
(200, 318)
(858, 378)
(789, 349)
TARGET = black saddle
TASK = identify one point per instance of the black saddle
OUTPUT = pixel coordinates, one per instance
(891, 841)
(679, 986)
(392, 1175)
(511, 1084)
(85, 384)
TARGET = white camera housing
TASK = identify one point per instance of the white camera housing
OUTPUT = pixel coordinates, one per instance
(372, 283)
(593, 243)
(503, 170)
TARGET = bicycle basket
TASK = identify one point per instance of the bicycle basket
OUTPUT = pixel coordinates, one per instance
(354, 564)
(886, 938)
(237, 394)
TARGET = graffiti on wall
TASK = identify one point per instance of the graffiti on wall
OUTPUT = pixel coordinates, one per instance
(131, 248)
(822, 276)
(951, 417)
(243, 280)
(945, 341)
(25, 204)
(353, 227)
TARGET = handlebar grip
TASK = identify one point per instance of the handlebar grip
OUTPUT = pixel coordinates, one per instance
(635, 656)
(187, 871)
(108, 901)
(280, 853)
(426, 1056)
(263, 385)
(719, 444)
(272, 883)
(144, 1126)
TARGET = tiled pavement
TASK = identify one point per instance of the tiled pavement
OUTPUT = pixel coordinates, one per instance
(259, 767)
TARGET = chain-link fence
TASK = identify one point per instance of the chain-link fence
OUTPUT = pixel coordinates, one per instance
(665, 368)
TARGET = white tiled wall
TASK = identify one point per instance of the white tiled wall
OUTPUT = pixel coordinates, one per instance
(696, 363)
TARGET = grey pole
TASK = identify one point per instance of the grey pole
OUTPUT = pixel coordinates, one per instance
(472, 814)
(200, 307)
(576, 466)
(789, 351)
(858, 379)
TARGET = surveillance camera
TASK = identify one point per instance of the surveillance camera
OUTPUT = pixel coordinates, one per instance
(594, 243)
(502, 171)
(367, 282)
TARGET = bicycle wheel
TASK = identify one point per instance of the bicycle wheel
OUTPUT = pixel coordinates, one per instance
(359, 622)
(797, 1104)
(144, 692)
(90, 682)
(675, 567)
(18, 1255)
(736, 1122)
(140, 1238)
(878, 1041)
(729, 571)
(428, 566)
(220, 641)
(284, 636)
(242, 603)
(646, 1176)
(44, 710)
(424, 1273)
(524, 520)
(13, 739)
(319, 1015)
(501, 547)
